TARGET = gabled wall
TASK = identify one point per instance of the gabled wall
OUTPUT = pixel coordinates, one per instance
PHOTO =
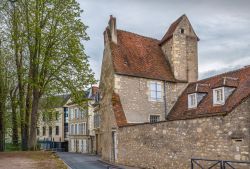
(106, 88)
(181, 51)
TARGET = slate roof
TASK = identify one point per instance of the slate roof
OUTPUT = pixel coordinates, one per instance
(139, 56)
(239, 79)
(54, 101)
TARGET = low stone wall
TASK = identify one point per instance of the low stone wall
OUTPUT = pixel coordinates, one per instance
(171, 145)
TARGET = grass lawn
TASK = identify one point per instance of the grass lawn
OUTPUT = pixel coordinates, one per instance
(30, 160)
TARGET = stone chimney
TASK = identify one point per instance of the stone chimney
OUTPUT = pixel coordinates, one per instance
(112, 28)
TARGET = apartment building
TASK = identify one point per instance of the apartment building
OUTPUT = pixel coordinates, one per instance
(81, 124)
(52, 128)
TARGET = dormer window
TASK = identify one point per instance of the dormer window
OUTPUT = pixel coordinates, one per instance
(192, 100)
(218, 96)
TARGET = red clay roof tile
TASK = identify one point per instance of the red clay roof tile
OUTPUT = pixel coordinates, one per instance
(206, 107)
(139, 56)
(118, 110)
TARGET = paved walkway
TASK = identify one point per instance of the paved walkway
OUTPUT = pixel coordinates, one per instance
(81, 161)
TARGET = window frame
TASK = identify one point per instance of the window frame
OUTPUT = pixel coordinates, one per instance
(156, 91)
(190, 96)
(57, 131)
(221, 96)
(151, 115)
(44, 130)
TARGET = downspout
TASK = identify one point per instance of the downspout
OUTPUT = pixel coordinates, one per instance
(165, 100)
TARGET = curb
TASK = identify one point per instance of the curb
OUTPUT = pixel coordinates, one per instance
(110, 164)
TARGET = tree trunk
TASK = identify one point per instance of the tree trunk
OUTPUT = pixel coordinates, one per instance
(2, 133)
(14, 118)
(33, 120)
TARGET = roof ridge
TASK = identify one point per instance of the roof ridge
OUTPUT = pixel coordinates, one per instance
(225, 73)
(138, 34)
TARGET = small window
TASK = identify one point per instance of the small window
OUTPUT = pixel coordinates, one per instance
(57, 130)
(50, 131)
(37, 131)
(154, 118)
(72, 129)
(218, 96)
(76, 132)
(192, 100)
(76, 113)
(155, 91)
(44, 131)
(182, 31)
(57, 115)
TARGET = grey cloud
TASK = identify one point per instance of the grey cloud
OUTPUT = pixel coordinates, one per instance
(222, 25)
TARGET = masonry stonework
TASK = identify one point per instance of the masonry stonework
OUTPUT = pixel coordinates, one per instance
(107, 115)
(135, 97)
(172, 144)
(181, 51)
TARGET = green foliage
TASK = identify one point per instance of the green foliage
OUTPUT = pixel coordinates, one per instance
(44, 42)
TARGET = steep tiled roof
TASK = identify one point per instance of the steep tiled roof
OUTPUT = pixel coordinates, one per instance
(118, 110)
(239, 79)
(139, 56)
(171, 30)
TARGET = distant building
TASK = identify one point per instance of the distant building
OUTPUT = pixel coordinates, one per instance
(81, 124)
(52, 128)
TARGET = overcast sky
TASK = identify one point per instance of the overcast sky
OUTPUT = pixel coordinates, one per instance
(223, 27)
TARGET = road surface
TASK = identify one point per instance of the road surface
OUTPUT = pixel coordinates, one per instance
(81, 161)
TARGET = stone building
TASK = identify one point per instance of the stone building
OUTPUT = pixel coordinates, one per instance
(210, 120)
(154, 112)
(142, 77)
(81, 124)
(52, 128)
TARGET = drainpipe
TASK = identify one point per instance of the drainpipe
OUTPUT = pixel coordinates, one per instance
(165, 100)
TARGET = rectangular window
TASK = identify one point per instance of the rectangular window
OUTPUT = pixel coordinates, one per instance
(84, 130)
(72, 129)
(75, 129)
(154, 118)
(57, 130)
(155, 91)
(37, 131)
(44, 131)
(192, 100)
(76, 113)
(50, 131)
(218, 96)
(57, 115)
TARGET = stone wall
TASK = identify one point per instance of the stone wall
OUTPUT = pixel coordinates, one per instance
(172, 144)
(106, 88)
(134, 94)
(181, 51)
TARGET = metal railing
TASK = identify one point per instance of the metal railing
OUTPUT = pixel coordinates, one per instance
(198, 163)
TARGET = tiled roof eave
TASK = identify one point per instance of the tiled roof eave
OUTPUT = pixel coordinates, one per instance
(147, 77)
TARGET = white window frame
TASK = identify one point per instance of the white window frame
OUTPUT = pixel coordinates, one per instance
(154, 115)
(190, 101)
(156, 91)
(76, 113)
(222, 96)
